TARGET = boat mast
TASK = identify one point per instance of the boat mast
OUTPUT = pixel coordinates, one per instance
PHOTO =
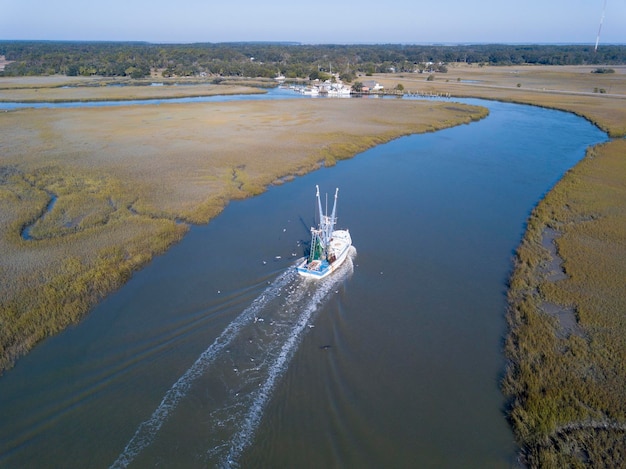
(319, 204)
(327, 223)
(320, 237)
(333, 217)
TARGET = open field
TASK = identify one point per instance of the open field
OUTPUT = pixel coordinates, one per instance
(573, 89)
(102, 190)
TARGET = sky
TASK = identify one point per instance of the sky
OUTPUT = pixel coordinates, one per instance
(317, 21)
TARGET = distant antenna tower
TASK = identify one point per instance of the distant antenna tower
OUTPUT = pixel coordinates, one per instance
(600, 28)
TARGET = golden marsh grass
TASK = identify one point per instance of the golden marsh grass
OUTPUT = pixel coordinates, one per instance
(124, 178)
(568, 391)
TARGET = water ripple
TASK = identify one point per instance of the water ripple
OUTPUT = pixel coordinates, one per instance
(245, 363)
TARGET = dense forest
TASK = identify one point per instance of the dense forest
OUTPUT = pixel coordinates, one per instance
(293, 60)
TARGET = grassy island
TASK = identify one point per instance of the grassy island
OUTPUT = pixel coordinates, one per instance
(88, 195)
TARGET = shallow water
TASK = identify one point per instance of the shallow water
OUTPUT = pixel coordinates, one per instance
(273, 93)
(217, 355)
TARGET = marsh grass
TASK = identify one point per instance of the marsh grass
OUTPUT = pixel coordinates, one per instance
(123, 178)
(55, 91)
(86, 246)
(568, 392)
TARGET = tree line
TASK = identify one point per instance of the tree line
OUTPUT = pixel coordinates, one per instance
(293, 60)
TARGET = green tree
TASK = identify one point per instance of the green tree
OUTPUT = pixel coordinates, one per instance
(317, 75)
(347, 76)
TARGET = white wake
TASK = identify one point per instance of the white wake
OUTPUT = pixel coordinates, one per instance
(245, 361)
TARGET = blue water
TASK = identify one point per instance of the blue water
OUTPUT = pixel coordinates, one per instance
(218, 355)
(273, 93)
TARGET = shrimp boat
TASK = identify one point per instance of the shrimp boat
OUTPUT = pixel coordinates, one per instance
(329, 247)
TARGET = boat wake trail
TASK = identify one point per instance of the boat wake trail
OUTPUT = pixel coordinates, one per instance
(240, 369)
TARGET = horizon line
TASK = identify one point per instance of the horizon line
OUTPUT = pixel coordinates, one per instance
(301, 43)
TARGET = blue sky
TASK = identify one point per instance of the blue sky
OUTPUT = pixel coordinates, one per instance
(315, 22)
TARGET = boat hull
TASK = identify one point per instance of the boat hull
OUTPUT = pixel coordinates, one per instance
(340, 244)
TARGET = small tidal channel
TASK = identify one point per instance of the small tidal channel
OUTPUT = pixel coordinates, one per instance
(273, 93)
(48, 208)
(214, 356)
